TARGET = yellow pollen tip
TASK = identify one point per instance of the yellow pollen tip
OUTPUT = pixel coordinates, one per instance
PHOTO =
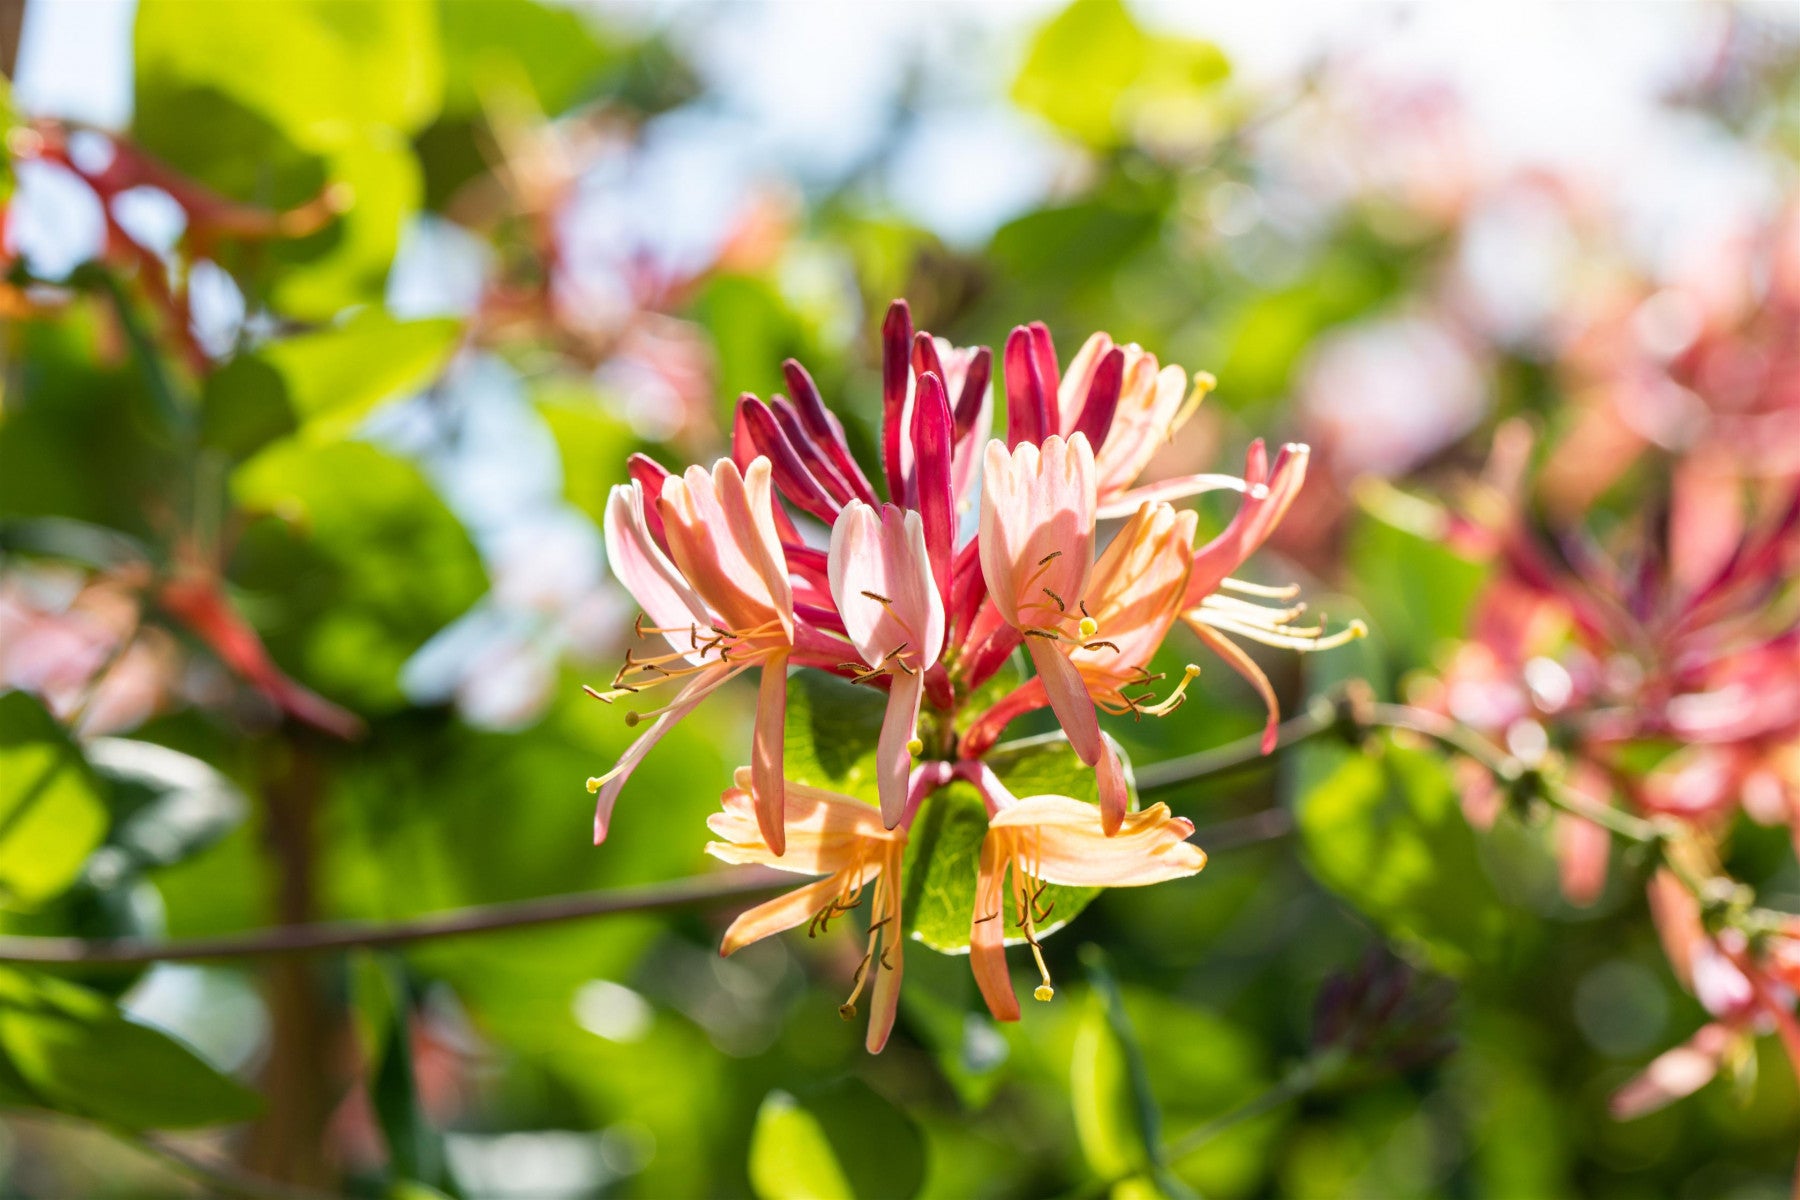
(847, 1011)
(1358, 629)
(1205, 381)
(1089, 627)
(915, 747)
(632, 718)
(1044, 992)
(593, 784)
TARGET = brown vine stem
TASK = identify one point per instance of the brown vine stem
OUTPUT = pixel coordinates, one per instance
(722, 887)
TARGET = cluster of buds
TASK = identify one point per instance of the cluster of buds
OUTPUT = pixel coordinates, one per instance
(783, 556)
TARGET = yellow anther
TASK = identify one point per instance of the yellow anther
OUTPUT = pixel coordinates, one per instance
(1205, 381)
(632, 718)
(1044, 992)
(915, 747)
(847, 1011)
(593, 784)
(1088, 627)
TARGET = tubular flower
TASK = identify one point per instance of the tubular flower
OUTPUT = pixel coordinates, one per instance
(720, 598)
(842, 840)
(1211, 616)
(1037, 554)
(785, 555)
(1136, 594)
(1151, 404)
(1053, 840)
(881, 580)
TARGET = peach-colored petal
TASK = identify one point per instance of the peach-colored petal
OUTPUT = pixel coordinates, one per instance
(1149, 404)
(794, 908)
(1060, 841)
(1115, 796)
(826, 832)
(1241, 662)
(721, 534)
(893, 754)
(889, 961)
(1674, 1073)
(987, 933)
(766, 749)
(1069, 698)
(1134, 597)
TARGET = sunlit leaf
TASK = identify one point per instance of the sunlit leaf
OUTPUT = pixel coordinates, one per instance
(1385, 830)
(324, 381)
(78, 1054)
(824, 1146)
(166, 806)
(356, 565)
(52, 812)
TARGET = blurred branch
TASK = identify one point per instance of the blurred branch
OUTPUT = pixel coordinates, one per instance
(722, 887)
(12, 27)
(222, 1178)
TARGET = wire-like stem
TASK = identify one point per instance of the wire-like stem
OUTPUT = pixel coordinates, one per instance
(719, 888)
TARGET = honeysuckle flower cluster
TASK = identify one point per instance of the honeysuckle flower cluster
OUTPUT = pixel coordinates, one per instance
(783, 556)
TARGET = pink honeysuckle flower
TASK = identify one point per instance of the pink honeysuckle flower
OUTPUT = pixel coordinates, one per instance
(721, 599)
(1037, 554)
(1211, 616)
(1152, 404)
(882, 584)
(843, 841)
(1134, 597)
(1056, 840)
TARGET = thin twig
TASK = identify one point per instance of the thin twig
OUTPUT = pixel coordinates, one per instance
(1245, 752)
(339, 935)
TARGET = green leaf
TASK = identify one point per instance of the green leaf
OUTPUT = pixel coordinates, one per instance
(358, 564)
(310, 67)
(1117, 1118)
(383, 1006)
(944, 853)
(591, 440)
(832, 728)
(1414, 622)
(166, 806)
(553, 53)
(838, 1142)
(302, 92)
(324, 382)
(1384, 829)
(78, 1054)
(1092, 72)
(52, 813)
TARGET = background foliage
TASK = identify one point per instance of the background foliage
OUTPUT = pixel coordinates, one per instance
(378, 428)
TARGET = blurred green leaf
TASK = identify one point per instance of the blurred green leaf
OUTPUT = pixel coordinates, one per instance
(554, 53)
(1387, 562)
(52, 813)
(357, 565)
(78, 1054)
(303, 92)
(166, 806)
(1383, 827)
(841, 1141)
(1117, 1116)
(383, 1008)
(310, 66)
(324, 382)
(591, 440)
(1092, 70)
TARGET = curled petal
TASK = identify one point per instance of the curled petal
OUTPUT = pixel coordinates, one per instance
(1068, 697)
(1241, 662)
(880, 574)
(639, 564)
(766, 753)
(794, 908)
(1115, 795)
(1060, 837)
(893, 753)
(1674, 1073)
(987, 933)
(608, 787)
